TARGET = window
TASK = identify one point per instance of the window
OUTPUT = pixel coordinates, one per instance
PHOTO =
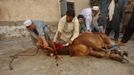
(64, 5)
(70, 5)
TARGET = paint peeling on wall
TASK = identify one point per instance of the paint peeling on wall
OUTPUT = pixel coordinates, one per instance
(10, 32)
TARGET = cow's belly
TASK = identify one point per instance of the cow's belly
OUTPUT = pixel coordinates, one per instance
(80, 50)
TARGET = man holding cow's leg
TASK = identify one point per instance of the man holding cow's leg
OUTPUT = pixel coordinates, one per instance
(38, 32)
(68, 30)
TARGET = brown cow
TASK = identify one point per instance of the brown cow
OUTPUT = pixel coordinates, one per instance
(94, 44)
(90, 41)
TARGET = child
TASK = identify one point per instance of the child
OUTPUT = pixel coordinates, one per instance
(82, 27)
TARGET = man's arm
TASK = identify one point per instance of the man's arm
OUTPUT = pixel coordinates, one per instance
(76, 30)
(88, 23)
(59, 30)
(33, 37)
(41, 34)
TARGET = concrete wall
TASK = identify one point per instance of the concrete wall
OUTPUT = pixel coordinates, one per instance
(47, 10)
(14, 10)
(13, 32)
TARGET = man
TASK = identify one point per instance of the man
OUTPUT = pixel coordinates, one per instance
(115, 11)
(129, 30)
(107, 8)
(38, 30)
(103, 14)
(87, 13)
(68, 28)
(82, 26)
(95, 14)
(127, 14)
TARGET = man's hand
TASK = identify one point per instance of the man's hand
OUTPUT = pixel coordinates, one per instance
(89, 31)
(42, 43)
(58, 37)
(100, 28)
(45, 44)
(39, 42)
(70, 42)
(66, 44)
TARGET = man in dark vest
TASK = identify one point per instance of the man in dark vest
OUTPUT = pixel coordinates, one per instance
(115, 22)
(129, 30)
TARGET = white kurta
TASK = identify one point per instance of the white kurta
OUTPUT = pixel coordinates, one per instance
(69, 30)
(111, 9)
(87, 13)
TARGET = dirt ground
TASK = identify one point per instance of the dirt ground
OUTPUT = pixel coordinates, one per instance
(44, 65)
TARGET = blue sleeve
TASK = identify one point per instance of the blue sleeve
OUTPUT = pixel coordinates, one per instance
(41, 27)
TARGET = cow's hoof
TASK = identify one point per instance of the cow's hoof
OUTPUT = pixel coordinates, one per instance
(123, 53)
(124, 60)
(50, 54)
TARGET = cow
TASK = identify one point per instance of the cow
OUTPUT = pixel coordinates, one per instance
(94, 44)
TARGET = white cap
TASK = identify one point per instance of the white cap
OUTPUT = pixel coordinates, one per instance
(27, 22)
(95, 8)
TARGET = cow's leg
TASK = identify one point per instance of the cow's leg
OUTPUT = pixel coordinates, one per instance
(97, 48)
(94, 46)
(115, 57)
(104, 55)
(96, 53)
(51, 48)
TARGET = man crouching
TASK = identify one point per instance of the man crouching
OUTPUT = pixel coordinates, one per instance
(38, 32)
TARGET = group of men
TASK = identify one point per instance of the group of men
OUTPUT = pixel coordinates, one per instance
(70, 26)
(118, 14)
(68, 30)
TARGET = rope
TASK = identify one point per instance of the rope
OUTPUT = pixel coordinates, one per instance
(16, 56)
